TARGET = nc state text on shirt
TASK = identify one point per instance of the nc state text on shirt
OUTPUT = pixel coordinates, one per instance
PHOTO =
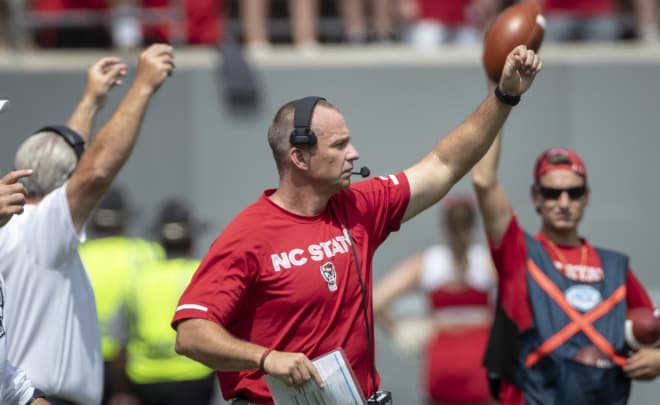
(316, 252)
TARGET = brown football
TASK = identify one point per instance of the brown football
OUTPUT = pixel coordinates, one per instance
(645, 327)
(520, 24)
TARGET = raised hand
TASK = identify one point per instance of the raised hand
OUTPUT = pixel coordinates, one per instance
(155, 65)
(103, 76)
(295, 369)
(520, 69)
(12, 194)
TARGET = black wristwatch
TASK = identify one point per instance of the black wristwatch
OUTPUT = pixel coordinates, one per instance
(36, 395)
(506, 98)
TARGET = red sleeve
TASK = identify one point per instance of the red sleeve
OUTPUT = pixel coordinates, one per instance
(382, 202)
(218, 286)
(636, 295)
(510, 260)
(510, 255)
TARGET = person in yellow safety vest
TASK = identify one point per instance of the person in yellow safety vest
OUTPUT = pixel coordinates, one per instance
(159, 376)
(111, 260)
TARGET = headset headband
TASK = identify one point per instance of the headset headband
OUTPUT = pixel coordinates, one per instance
(69, 135)
(302, 133)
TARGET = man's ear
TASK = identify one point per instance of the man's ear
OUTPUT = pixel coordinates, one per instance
(298, 158)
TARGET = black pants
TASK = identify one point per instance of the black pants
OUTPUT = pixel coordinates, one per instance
(194, 392)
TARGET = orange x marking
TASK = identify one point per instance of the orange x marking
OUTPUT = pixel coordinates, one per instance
(579, 322)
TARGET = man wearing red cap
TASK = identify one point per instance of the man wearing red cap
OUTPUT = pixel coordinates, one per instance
(558, 334)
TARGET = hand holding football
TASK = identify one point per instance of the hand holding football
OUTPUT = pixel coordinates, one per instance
(520, 24)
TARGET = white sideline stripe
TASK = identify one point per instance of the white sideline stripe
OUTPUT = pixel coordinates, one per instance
(191, 306)
(394, 179)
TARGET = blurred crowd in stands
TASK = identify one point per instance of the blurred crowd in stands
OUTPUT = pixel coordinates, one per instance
(258, 24)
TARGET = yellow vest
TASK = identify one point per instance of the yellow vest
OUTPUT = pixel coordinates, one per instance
(153, 299)
(111, 263)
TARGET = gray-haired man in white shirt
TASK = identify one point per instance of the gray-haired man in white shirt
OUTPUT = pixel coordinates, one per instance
(15, 387)
(58, 343)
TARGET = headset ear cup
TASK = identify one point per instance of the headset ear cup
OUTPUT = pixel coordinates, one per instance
(302, 136)
(294, 138)
(311, 137)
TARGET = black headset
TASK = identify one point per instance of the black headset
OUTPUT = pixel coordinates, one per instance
(302, 133)
(69, 135)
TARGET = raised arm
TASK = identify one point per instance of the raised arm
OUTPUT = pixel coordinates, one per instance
(102, 77)
(493, 202)
(114, 143)
(432, 177)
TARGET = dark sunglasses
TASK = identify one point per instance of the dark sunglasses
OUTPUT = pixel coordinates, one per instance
(550, 193)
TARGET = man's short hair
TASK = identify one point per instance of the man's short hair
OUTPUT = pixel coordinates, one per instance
(50, 157)
(281, 127)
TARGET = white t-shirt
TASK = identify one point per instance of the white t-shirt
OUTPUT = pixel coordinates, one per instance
(51, 311)
(15, 388)
(439, 268)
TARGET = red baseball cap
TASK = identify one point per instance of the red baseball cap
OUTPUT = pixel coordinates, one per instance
(556, 159)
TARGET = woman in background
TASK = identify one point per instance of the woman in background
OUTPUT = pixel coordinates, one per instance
(457, 279)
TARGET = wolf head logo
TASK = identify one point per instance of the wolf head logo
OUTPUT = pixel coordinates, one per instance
(330, 275)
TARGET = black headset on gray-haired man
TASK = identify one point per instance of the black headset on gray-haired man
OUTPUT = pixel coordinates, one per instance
(70, 136)
(302, 133)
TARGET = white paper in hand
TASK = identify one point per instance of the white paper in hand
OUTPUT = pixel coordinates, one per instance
(340, 385)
